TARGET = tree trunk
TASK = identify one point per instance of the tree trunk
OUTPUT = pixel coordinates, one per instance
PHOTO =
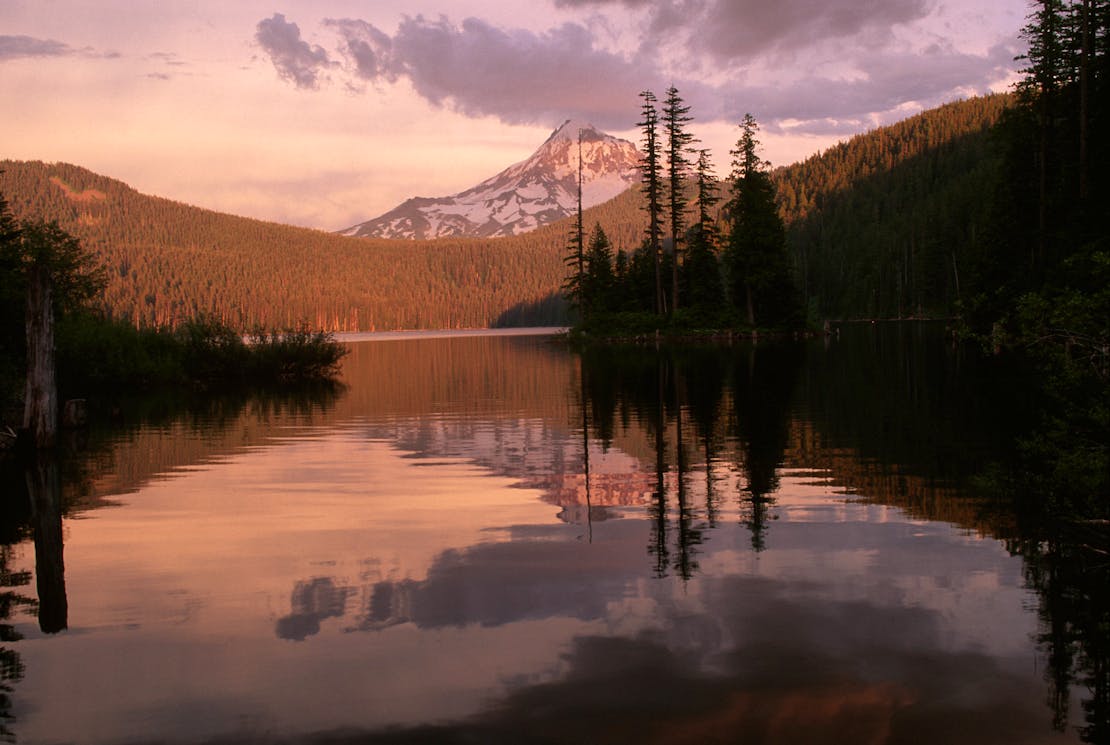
(674, 273)
(1084, 95)
(660, 297)
(40, 409)
(44, 488)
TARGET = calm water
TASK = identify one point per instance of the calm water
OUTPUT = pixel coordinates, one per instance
(491, 539)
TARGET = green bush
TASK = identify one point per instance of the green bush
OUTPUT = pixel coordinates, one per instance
(98, 353)
(95, 353)
(297, 355)
(214, 355)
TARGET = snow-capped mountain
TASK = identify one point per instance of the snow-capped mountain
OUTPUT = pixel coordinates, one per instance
(534, 192)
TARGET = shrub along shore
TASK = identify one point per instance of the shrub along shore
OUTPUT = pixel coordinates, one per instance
(102, 360)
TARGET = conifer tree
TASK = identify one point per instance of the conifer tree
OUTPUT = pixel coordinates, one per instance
(574, 285)
(708, 195)
(575, 260)
(651, 178)
(621, 297)
(1044, 75)
(675, 118)
(11, 299)
(9, 230)
(599, 280)
(701, 269)
(759, 271)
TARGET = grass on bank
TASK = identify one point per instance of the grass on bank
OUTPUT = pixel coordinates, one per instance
(96, 354)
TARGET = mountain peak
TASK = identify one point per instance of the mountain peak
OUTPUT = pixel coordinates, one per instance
(572, 128)
(534, 192)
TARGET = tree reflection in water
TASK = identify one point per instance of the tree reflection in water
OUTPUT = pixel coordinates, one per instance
(36, 509)
(909, 413)
(735, 401)
(712, 429)
(38, 490)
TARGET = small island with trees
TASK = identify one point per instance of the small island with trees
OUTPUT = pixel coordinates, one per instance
(689, 280)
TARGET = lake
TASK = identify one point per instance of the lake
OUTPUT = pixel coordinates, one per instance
(495, 539)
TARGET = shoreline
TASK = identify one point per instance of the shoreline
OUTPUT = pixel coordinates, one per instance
(347, 337)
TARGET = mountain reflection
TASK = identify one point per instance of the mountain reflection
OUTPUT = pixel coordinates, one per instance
(499, 541)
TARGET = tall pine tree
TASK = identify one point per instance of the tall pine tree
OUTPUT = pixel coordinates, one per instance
(701, 269)
(675, 118)
(574, 285)
(760, 278)
(651, 179)
(599, 280)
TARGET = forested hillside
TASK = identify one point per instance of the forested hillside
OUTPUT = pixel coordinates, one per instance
(880, 226)
(884, 225)
(168, 261)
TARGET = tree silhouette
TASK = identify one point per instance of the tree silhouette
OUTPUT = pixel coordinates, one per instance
(598, 284)
(675, 118)
(759, 270)
(701, 269)
(651, 180)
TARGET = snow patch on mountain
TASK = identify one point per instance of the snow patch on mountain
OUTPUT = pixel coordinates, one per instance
(526, 195)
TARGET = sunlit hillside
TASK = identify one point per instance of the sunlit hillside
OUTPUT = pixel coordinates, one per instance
(168, 261)
(880, 226)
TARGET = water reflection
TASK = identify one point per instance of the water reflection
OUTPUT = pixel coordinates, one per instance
(497, 541)
(719, 419)
(12, 600)
(45, 495)
(313, 601)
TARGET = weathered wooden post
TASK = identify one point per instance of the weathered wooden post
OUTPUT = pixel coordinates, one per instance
(40, 409)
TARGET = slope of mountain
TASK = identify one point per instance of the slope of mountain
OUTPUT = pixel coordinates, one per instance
(168, 261)
(523, 197)
(887, 224)
(883, 218)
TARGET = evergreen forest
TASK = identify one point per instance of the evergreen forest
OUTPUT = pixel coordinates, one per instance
(872, 226)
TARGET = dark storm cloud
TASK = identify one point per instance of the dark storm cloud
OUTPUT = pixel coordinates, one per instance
(295, 59)
(15, 47)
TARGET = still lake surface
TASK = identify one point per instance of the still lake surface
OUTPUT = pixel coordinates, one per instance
(494, 539)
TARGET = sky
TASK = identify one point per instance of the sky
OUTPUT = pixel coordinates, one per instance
(326, 113)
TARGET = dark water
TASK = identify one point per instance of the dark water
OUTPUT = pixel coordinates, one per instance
(496, 540)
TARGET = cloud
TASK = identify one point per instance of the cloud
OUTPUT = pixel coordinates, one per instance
(728, 30)
(15, 47)
(295, 59)
(367, 48)
(479, 69)
(740, 28)
(852, 67)
(894, 79)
